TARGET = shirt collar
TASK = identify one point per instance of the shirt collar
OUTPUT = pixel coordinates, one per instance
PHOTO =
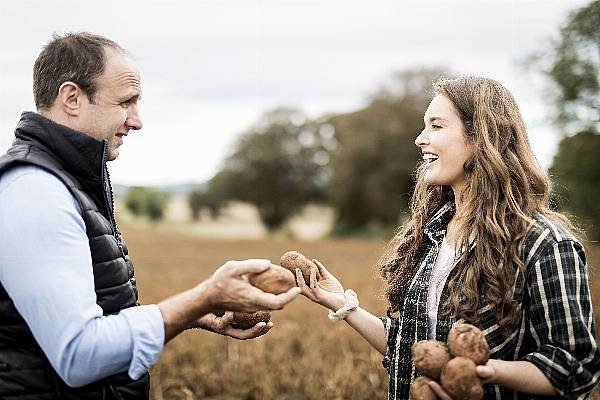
(80, 154)
(435, 228)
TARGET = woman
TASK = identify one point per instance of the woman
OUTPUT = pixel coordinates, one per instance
(483, 247)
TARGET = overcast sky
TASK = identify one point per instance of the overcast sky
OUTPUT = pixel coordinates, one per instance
(210, 68)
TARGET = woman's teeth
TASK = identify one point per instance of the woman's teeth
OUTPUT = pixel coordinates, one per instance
(430, 157)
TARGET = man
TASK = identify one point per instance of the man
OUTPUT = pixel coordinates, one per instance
(69, 325)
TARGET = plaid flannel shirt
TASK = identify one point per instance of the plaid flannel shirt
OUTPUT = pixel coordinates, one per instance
(556, 331)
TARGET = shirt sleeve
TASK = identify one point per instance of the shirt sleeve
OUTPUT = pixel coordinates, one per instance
(46, 269)
(391, 326)
(561, 320)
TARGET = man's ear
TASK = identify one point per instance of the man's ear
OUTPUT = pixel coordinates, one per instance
(70, 98)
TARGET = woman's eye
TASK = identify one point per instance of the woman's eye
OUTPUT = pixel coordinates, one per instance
(436, 126)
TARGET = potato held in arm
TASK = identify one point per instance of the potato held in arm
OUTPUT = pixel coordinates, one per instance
(275, 280)
(429, 357)
(460, 379)
(466, 340)
(293, 259)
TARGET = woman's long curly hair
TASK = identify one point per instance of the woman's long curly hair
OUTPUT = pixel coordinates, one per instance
(504, 187)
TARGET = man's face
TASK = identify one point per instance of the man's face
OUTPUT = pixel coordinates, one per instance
(115, 109)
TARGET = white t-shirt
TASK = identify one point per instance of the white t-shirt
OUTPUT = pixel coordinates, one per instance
(439, 274)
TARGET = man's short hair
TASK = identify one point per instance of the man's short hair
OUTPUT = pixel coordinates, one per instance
(76, 57)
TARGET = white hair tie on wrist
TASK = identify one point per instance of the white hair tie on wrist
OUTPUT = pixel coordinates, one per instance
(351, 304)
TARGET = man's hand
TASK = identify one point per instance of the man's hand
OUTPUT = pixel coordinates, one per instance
(223, 325)
(228, 288)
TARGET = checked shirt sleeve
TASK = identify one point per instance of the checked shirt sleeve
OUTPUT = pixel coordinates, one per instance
(391, 325)
(561, 320)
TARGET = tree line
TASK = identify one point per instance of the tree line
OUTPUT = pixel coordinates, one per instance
(362, 163)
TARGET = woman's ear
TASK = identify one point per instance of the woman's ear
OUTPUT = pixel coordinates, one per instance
(69, 98)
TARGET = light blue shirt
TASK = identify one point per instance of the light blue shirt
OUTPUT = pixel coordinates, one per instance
(46, 269)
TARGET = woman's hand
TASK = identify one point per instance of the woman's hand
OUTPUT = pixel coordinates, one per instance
(327, 292)
(223, 325)
(486, 373)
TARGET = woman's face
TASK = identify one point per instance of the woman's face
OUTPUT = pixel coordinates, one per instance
(443, 145)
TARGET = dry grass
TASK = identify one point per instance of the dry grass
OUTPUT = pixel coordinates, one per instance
(305, 356)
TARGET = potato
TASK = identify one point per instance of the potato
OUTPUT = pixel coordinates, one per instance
(429, 357)
(293, 259)
(460, 379)
(420, 390)
(275, 280)
(466, 340)
(245, 320)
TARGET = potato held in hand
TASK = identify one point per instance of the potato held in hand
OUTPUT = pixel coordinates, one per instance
(293, 259)
(466, 340)
(429, 357)
(460, 379)
(420, 390)
(275, 280)
(245, 320)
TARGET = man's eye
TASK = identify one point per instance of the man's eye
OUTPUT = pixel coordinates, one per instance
(436, 126)
(125, 104)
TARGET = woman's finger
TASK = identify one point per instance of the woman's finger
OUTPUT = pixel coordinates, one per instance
(306, 291)
(324, 273)
(313, 279)
(439, 391)
(300, 280)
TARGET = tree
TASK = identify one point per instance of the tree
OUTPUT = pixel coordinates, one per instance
(146, 201)
(278, 165)
(203, 198)
(572, 64)
(573, 68)
(374, 162)
(576, 173)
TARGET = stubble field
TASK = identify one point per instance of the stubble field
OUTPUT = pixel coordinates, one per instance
(304, 356)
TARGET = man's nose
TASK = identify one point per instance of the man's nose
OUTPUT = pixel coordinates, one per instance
(134, 121)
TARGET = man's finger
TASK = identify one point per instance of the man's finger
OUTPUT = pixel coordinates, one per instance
(226, 319)
(251, 266)
(257, 330)
(277, 301)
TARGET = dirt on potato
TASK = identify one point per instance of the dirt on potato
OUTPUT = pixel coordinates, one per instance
(460, 379)
(429, 357)
(466, 340)
(294, 259)
(275, 280)
(420, 390)
(245, 320)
